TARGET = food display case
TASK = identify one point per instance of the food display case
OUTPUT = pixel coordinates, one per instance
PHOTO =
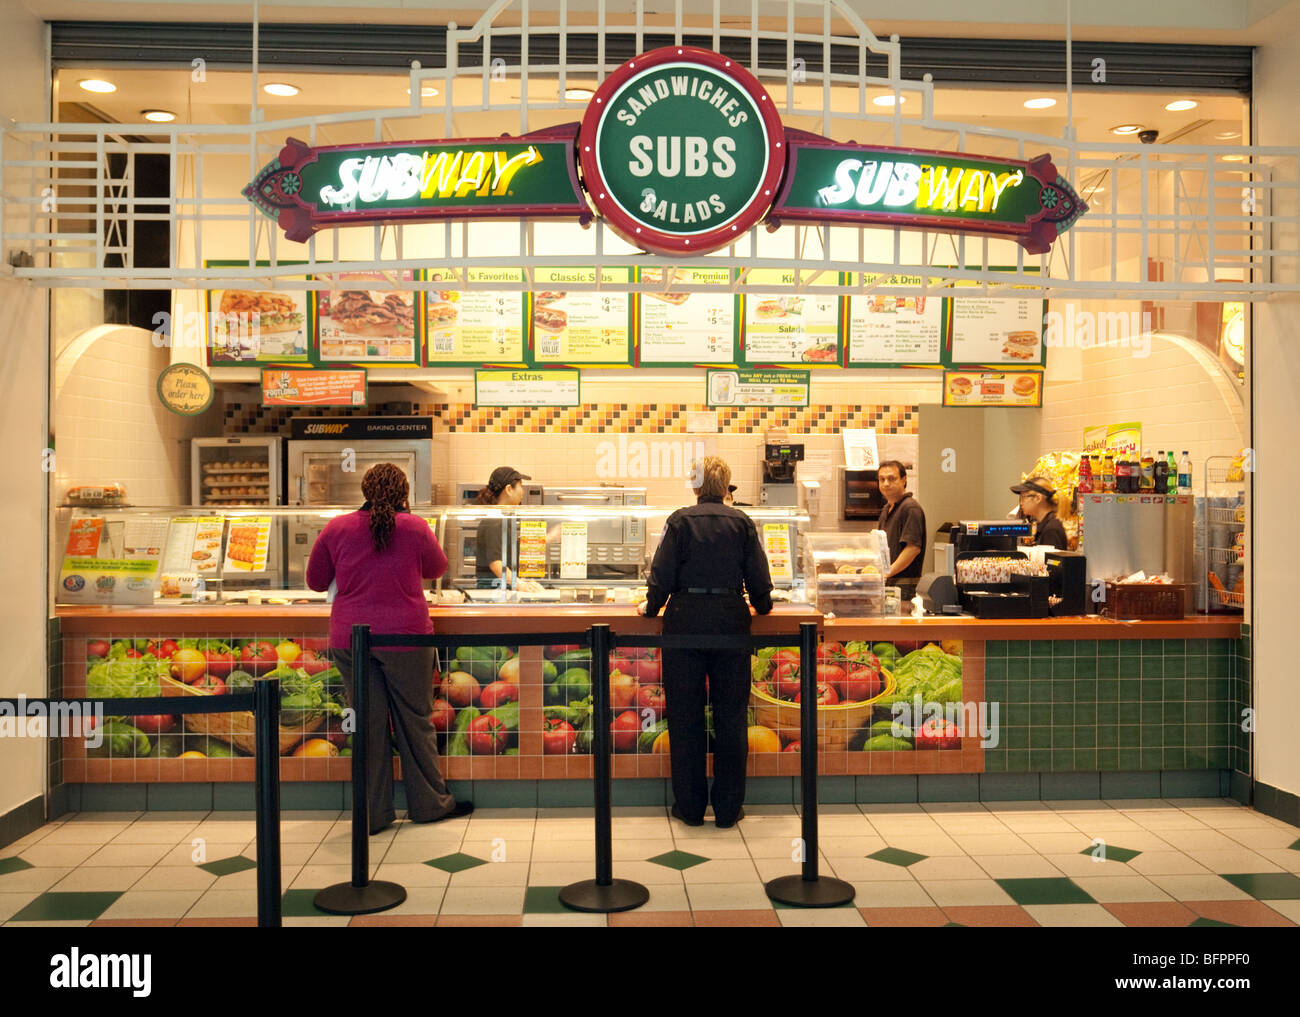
(845, 572)
(236, 471)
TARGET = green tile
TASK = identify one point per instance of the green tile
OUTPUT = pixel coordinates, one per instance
(1107, 648)
(1017, 762)
(1018, 691)
(1175, 647)
(1218, 667)
(995, 761)
(1062, 760)
(1108, 736)
(1108, 668)
(1084, 759)
(1175, 712)
(995, 649)
(1267, 885)
(995, 669)
(1196, 713)
(1017, 667)
(897, 856)
(1017, 648)
(1063, 691)
(1150, 736)
(1040, 715)
(1063, 715)
(1208, 922)
(1085, 714)
(1085, 667)
(1175, 735)
(1130, 648)
(1040, 649)
(1152, 714)
(457, 862)
(1085, 737)
(544, 900)
(1195, 666)
(1130, 668)
(1063, 667)
(1130, 736)
(1045, 890)
(227, 866)
(678, 860)
(67, 907)
(14, 864)
(1173, 757)
(1112, 853)
(1040, 736)
(1108, 759)
(1108, 690)
(1014, 738)
(1085, 648)
(301, 903)
(1175, 667)
(1153, 667)
(1130, 759)
(1040, 759)
(1063, 648)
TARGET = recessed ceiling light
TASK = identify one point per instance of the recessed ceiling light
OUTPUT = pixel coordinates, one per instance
(97, 85)
(1228, 135)
(1126, 129)
(888, 100)
(1234, 158)
(1181, 104)
(1043, 103)
(579, 94)
(427, 91)
(281, 88)
(158, 116)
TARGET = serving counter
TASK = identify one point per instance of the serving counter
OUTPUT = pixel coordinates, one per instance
(1059, 703)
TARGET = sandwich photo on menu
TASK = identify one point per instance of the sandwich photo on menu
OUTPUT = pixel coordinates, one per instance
(548, 297)
(262, 313)
(959, 386)
(442, 313)
(655, 276)
(1025, 385)
(1021, 345)
(550, 319)
(368, 313)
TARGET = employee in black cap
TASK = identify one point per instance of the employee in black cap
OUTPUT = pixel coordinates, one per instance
(496, 560)
(1038, 502)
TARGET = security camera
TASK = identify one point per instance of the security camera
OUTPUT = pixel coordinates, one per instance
(1148, 137)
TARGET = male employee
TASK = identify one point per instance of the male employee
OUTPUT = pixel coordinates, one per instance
(1038, 502)
(903, 521)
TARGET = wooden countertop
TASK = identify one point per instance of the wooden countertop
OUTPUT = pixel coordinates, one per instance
(240, 619)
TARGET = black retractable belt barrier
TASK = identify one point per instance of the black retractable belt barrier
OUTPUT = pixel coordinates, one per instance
(266, 716)
(809, 890)
(603, 894)
(362, 896)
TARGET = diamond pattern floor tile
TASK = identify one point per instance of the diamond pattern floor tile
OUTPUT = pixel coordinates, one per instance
(1267, 885)
(679, 860)
(1046, 890)
(66, 907)
(1111, 852)
(229, 866)
(896, 856)
(13, 864)
(457, 862)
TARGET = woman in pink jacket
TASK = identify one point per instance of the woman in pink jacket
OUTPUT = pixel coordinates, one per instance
(379, 557)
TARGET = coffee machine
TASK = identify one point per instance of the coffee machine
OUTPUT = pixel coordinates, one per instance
(779, 459)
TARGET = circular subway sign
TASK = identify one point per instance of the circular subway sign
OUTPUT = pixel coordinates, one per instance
(681, 150)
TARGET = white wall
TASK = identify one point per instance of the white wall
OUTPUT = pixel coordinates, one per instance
(1276, 419)
(24, 360)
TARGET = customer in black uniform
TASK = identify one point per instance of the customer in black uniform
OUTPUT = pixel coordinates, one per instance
(903, 521)
(1038, 502)
(708, 552)
(496, 558)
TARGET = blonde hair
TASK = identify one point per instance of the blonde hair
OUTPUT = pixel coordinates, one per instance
(710, 477)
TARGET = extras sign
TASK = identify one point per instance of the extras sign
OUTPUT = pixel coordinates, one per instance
(682, 151)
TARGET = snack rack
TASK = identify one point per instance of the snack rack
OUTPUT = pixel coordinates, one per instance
(1223, 578)
(236, 471)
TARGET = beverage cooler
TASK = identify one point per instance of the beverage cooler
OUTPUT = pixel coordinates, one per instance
(1122, 533)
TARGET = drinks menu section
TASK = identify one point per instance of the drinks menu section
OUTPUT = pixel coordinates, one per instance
(469, 325)
(580, 326)
(887, 330)
(683, 329)
(997, 331)
(790, 328)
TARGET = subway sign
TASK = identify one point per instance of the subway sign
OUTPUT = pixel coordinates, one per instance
(682, 152)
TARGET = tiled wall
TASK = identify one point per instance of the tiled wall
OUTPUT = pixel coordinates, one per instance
(1107, 705)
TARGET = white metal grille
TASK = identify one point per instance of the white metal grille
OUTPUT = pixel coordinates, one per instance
(1182, 222)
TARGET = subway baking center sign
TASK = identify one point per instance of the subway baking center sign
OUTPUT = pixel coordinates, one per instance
(681, 151)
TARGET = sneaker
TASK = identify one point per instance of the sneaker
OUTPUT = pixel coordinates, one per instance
(457, 810)
(727, 826)
(677, 814)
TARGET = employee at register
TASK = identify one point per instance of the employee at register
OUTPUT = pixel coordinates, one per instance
(496, 560)
(1038, 502)
(903, 521)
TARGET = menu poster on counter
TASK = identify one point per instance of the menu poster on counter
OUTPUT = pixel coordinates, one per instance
(368, 318)
(895, 331)
(790, 328)
(985, 388)
(588, 327)
(532, 548)
(776, 544)
(757, 388)
(687, 329)
(193, 552)
(997, 330)
(247, 543)
(283, 386)
(527, 388)
(861, 450)
(112, 563)
(573, 550)
(468, 326)
(246, 326)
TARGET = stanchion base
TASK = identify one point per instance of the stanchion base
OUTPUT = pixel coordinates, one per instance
(346, 899)
(822, 892)
(620, 895)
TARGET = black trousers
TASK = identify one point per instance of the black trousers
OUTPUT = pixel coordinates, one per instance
(728, 672)
(400, 688)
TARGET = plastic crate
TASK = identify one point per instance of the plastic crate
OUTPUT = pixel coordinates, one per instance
(1144, 601)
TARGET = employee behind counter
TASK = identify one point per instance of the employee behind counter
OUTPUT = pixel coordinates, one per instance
(497, 558)
(1038, 502)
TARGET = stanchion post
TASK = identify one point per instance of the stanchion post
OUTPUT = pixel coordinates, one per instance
(266, 719)
(808, 889)
(604, 894)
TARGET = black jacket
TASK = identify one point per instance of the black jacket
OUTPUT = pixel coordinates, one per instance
(709, 546)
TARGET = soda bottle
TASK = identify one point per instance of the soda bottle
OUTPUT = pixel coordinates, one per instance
(1085, 474)
(1160, 473)
(1185, 474)
(1122, 476)
(1148, 481)
(1108, 473)
(1171, 481)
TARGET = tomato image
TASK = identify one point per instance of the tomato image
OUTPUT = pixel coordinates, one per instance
(861, 683)
(787, 680)
(158, 724)
(652, 697)
(826, 695)
(97, 648)
(258, 657)
(498, 694)
(624, 731)
(558, 737)
(443, 717)
(219, 664)
(211, 683)
(487, 736)
(937, 733)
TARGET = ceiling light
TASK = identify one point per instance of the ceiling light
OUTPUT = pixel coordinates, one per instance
(579, 94)
(1043, 103)
(888, 100)
(158, 116)
(1234, 158)
(1126, 129)
(1181, 104)
(427, 91)
(1228, 135)
(281, 88)
(97, 85)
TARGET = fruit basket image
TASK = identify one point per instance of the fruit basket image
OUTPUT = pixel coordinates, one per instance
(239, 727)
(837, 723)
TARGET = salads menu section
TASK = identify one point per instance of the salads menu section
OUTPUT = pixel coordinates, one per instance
(680, 329)
(587, 327)
(790, 328)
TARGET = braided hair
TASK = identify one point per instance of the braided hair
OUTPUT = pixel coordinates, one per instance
(385, 487)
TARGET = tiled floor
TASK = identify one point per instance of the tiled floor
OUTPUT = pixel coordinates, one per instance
(1113, 863)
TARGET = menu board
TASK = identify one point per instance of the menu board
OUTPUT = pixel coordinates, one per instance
(894, 331)
(679, 329)
(586, 327)
(368, 318)
(788, 328)
(532, 548)
(282, 386)
(193, 553)
(573, 550)
(527, 388)
(112, 563)
(756, 388)
(776, 544)
(468, 326)
(252, 325)
(996, 330)
(988, 388)
(247, 543)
